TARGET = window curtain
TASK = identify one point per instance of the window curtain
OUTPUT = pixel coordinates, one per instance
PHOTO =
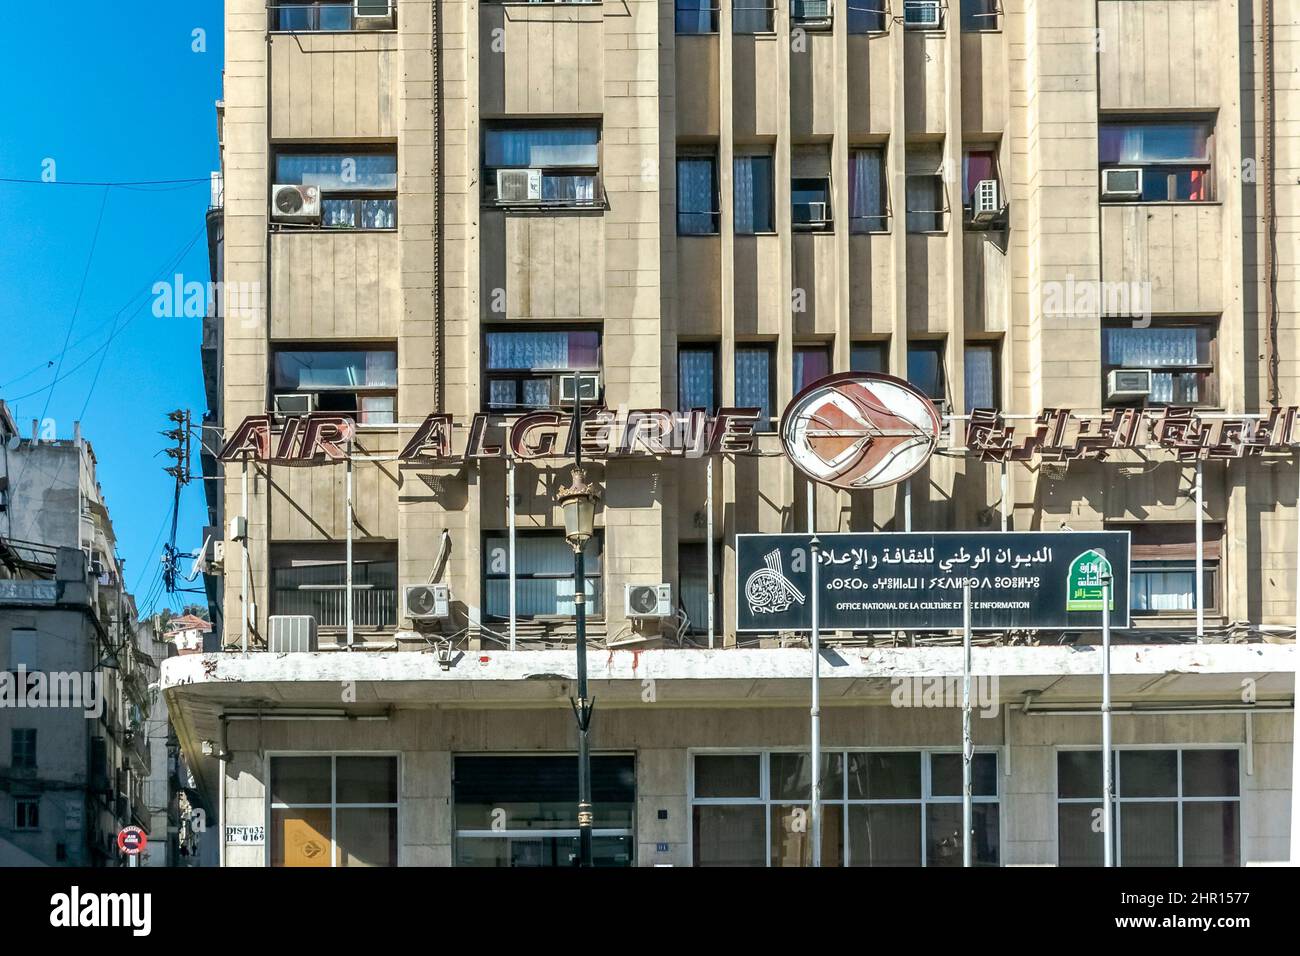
(809, 366)
(695, 16)
(544, 576)
(695, 388)
(754, 383)
(338, 171)
(924, 203)
(867, 358)
(976, 166)
(1153, 142)
(753, 194)
(866, 16)
(1152, 348)
(543, 350)
(315, 371)
(1165, 590)
(539, 147)
(925, 371)
(979, 378)
(570, 189)
(750, 16)
(695, 196)
(866, 190)
(693, 578)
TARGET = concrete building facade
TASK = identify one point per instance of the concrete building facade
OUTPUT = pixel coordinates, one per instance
(700, 205)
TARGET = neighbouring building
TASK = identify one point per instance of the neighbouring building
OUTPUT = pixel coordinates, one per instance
(1026, 209)
(77, 743)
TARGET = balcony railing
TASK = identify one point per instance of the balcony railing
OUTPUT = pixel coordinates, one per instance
(333, 17)
(371, 606)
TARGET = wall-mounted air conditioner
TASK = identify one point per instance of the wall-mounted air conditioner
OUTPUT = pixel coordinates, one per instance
(427, 602)
(922, 14)
(647, 600)
(1121, 183)
(1126, 383)
(985, 202)
(519, 185)
(294, 403)
(295, 204)
(292, 633)
(588, 383)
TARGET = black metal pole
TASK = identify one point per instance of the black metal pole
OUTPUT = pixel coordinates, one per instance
(582, 706)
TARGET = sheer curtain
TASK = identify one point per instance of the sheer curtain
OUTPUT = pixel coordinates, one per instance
(695, 387)
(695, 16)
(753, 194)
(540, 146)
(695, 199)
(543, 350)
(979, 378)
(866, 190)
(754, 383)
(750, 16)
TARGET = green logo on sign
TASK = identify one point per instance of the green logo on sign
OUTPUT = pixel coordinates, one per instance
(1083, 582)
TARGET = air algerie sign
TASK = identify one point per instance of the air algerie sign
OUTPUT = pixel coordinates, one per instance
(602, 433)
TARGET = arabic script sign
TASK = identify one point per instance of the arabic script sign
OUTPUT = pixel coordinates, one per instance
(913, 582)
(860, 430)
(1059, 435)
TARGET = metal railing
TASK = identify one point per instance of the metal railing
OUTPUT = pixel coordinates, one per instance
(328, 16)
(371, 606)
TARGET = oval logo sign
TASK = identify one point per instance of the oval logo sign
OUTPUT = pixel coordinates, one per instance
(860, 430)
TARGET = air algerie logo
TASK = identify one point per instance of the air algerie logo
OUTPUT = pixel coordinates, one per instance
(860, 430)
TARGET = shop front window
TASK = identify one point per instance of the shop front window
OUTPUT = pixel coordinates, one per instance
(333, 810)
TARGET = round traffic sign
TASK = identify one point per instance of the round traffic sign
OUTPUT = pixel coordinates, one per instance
(131, 840)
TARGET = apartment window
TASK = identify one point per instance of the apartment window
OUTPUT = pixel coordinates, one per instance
(22, 748)
(357, 382)
(27, 813)
(1156, 162)
(521, 810)
(697, 383)
(1162, 577)
(358, 189)
(696, 16)
(752, 184)
(311, 579)
(868, 357)
(925, 368)
(333, 810)
(1173, 807)
(751, 16)
(22, 649)
(543, 575)
(977, 166)
(811, 362)
(979, 15)
(1180, 357)
(867, 190)
(333, 16)
(697, 196)
(923, 14)
(810, 200)
(811, 12)
(754, 382)
(525, 370)
(553, 165)
(981, 375)
(880, 808)
(925, 202)
(866, 16)
(693, 585)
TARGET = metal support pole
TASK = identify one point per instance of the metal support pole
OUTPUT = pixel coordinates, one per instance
(907, 505)
(582, 710)
(348, 597)
(812, 507)
(967, 741)
(815, 808)
(1295, 712)
(1006, 503)
(1200, 555)
(510, 542)
(708, 549)
(1107, 771)
(243, 564)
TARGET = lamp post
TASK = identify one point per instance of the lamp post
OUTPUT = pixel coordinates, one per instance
(578, 502)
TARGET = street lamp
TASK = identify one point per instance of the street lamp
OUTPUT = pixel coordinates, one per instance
(578, 502)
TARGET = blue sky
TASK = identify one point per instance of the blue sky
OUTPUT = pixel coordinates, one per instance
(109, 93)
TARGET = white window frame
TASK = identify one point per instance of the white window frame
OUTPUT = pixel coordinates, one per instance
(19, 827)
(766, 800)
(558, 833)
(1180, 799)
(333, 805)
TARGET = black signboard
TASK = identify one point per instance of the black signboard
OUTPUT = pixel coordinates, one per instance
(913, 581)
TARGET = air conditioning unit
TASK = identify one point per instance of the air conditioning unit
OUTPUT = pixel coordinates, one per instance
(519, 185)
(1121, 183)
(811, 213)
(648, 600)
(295, 403)
(588, 382)
(295, 203)
(292, 633)
(984, 204)
(922, 14)
(427, 602)
(1125, 383)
